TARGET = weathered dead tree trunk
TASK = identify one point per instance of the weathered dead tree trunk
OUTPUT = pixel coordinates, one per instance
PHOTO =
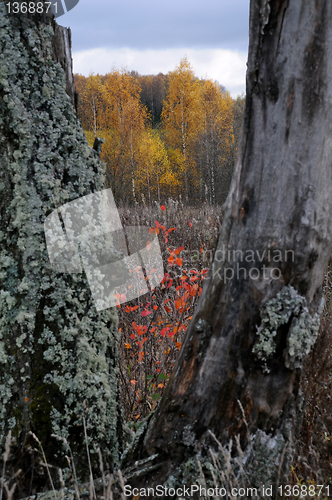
(239, 369)
(58, 355)
(61, 53)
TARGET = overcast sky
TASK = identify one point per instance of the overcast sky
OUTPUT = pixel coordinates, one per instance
(152, 36)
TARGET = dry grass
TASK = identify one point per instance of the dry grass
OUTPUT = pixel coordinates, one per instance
(146, 364)
(313, 460)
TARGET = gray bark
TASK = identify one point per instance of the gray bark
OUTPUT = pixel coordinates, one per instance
(58, 355)
(61, 53)
(238, 373)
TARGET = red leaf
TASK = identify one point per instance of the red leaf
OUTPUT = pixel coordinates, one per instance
(163, 207)
(146, 313)
(164, 331)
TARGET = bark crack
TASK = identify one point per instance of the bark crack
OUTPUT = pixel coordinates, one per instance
(265, 14)
(281, 26)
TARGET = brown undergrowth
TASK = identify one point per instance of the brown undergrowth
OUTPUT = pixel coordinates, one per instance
(196, 235)
(313, 458)
(151, 332)
(152, 327)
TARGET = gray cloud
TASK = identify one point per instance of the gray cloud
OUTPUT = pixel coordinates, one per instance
(152, 24)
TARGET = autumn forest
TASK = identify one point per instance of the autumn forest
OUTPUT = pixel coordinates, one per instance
(164, 136)
(219, 375)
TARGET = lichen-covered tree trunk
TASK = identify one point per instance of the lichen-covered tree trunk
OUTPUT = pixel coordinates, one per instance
(239, 368)
(58, 356)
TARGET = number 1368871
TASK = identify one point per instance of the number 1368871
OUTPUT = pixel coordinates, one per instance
(302, 490)
(31, 7)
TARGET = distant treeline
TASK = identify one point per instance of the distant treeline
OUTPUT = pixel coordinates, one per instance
(165, 135)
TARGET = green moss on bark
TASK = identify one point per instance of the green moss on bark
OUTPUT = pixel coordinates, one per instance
(288, 307)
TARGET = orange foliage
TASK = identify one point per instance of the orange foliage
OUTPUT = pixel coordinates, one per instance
(155, 328)
(191, 153)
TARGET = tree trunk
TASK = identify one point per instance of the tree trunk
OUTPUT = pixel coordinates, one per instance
(58, 355)
(61, 53)
(238, 373)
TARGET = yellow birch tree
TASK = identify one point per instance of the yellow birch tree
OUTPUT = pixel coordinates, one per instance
(124, 121)
(216, 140)
(181, 120)
(90, 102)
(154, 175)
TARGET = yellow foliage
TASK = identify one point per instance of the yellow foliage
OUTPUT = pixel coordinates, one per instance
(192, 154)
(89, 134)
(153, 176)
(90, 102)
